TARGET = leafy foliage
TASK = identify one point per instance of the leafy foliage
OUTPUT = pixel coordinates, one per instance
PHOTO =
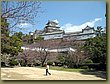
(99, 31)
(96, 47)
(10, 45)
(13, 62)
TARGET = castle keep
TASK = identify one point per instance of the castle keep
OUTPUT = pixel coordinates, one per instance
(52, 31)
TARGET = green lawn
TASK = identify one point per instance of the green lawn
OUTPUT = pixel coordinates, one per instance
(72, 69)
(66, 69)
(63, 69)
(101, 74)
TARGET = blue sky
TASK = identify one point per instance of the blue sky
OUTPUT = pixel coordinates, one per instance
(71, 15)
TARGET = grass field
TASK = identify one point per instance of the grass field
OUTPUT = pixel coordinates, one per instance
(66, 69)
(58, 73)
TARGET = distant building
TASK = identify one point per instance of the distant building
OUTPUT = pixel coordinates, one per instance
(37, 33)
(86, 33)
(52, 31)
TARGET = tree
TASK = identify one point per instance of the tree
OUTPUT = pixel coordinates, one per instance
(23, 58)
(72, 58)
(99, 31)
(10, 49)
(43, 52)
(14, 13)
(62, 57)
(46, 51)
(77, 58)
(10, 45)
(96, 48)
(20, 11)
(40, 48)
(38, 53)
(15, 44)
(20, 35)
(5, 38)
(4, 27)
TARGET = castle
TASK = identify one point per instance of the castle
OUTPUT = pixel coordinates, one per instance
(52, 31)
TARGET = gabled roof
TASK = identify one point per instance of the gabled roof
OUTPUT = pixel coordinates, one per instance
(87, 28)
(52, 21)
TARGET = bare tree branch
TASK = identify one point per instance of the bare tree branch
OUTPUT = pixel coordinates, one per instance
(20, 11)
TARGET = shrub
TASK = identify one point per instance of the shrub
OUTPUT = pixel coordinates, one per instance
(84, 67)
(89, 61)
(13, 62)
(22, 63)
(29, 65)
(58, 64)
(37, 64)
(3, 64)
(49, 63)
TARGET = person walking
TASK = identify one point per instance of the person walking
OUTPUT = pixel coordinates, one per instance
(47, 70)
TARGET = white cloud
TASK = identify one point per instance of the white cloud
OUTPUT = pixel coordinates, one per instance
(56, 21)
(24, 25)
(74, 28)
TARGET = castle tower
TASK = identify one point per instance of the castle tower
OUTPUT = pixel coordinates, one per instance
(52, 26)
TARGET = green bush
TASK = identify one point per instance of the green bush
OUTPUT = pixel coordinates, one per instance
(13, 62)
(37, 64)
(29, 65)
(84, 67)
(22, 63)
(89, 61)
(49, 63)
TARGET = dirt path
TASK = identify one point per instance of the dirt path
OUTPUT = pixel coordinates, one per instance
(32, 73)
